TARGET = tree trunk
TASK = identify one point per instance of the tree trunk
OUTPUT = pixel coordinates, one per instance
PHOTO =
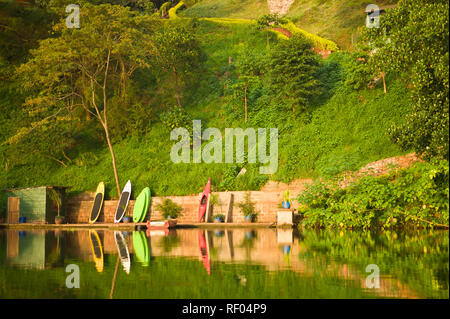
(293, 106)
(122, 78)
(384, 82)
(105, 125)
(113, 157)
(245, 103)
(177, 88)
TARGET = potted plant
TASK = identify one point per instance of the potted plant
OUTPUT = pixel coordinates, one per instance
(286, 200)
(56, 198)
(126, 219)
(247, 208)
(169, 209)
(219, 218)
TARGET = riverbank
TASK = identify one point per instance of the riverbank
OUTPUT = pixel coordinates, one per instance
(131, 226)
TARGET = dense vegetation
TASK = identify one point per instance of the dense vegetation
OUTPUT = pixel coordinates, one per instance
(417, 196)
(73, 101)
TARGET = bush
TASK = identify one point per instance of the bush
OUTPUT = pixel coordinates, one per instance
(247, 207)
(176, 117)
(169, 209)
(417, 197)
(318, 42)
(173, 11)
(359, 73)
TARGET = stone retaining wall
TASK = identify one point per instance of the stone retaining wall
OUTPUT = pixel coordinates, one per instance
(266, 203)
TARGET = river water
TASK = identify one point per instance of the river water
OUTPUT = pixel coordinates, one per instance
(224, 263)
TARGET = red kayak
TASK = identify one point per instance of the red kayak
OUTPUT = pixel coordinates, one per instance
(204, 252)
(204, 201)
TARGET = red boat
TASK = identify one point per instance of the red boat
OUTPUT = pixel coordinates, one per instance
(204, 200)
(204, 251)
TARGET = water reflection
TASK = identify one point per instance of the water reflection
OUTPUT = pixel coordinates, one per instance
(97, 249)
(262, 263)
(122, 249)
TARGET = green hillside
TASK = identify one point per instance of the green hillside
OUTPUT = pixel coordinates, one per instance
(336, 20)
(343, 129)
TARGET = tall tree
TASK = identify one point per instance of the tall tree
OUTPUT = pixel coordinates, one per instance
(83, 68)
(249, 71)
(413, 42)
(178, 53)
(292, 66)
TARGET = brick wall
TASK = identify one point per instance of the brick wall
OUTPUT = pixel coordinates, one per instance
(266, 203)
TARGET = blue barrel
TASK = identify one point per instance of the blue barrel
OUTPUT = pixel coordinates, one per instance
(22, 220)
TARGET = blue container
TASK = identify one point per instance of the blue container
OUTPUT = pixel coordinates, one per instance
(286, 205)
(22, 220)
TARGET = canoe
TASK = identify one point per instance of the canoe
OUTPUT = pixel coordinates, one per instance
(166, 224)
(204, 251)
(97, 250)
(140, 246)
(123, 203)
(141, 205)
(98, 203)
(122, 248)
(204, 201)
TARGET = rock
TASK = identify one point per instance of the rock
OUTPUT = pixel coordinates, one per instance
(279, 6)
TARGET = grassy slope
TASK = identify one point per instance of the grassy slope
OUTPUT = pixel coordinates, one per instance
(346, 131)
(336, 20)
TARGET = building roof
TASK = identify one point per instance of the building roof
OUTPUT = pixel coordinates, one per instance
(31, 187)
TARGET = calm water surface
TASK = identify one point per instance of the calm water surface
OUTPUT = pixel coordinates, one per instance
(223, 263)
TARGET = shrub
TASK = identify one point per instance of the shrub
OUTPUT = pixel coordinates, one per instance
(359, 73)
(417, 196)
(173, 11)
(176, 117)
(318, 42)
(169, 208)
